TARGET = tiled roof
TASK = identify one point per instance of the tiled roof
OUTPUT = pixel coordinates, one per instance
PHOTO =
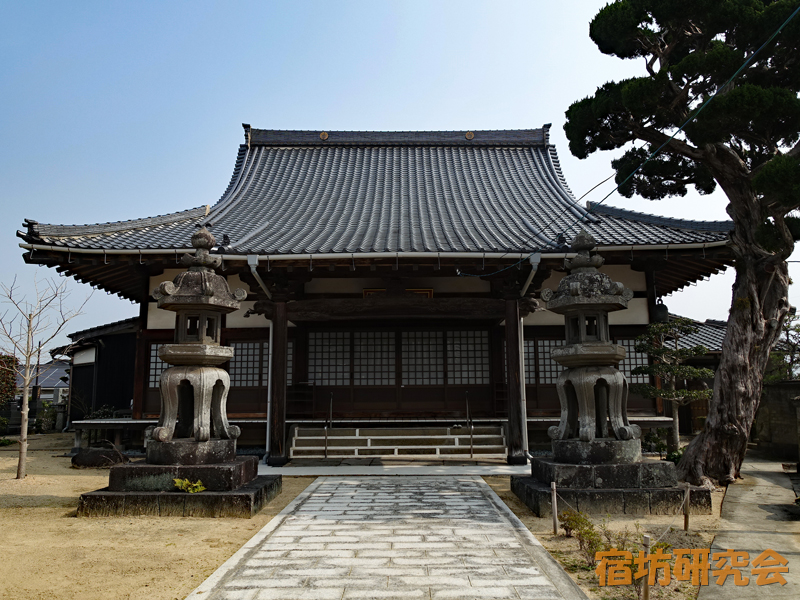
(709, 334)
(356, 192)
(125, 325)
(51, 378)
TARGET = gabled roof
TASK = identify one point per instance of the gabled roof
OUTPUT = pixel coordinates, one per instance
(293, 192)
(124, 326)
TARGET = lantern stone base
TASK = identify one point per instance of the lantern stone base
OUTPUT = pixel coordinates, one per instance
(186, 451)
(643, 474)
(244, 502)
(144, 477)
(636, 501)
(598, 451)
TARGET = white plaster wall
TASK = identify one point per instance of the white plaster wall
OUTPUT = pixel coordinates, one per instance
(84, 357)
(543, 317)
(158, 318)
(167, 275)
(636, 314)
(237, 319)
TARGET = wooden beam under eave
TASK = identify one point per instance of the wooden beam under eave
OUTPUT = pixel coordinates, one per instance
(382, 306)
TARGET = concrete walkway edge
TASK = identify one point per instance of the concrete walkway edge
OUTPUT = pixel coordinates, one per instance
(554, 571)
(252, 544)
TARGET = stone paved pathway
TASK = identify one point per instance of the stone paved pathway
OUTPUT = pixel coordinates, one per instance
(392, 537)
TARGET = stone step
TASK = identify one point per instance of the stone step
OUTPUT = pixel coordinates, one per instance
(397, 431)
(395, 441)
(363, 442)
(339, 452)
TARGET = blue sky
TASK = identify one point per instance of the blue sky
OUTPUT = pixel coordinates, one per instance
(120, 110)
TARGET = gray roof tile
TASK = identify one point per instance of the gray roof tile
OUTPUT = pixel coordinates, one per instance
(356, 192)
(710, 334)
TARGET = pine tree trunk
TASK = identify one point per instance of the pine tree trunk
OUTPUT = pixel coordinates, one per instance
(759, 307)
(675, 435)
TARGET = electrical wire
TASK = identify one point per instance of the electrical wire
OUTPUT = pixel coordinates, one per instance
(648, 159)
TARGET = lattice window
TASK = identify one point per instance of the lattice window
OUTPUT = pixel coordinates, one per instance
(289, 362)
(468, 357)
(329, 357)
(530, 361)
(423, 358)
(249, 364)
(548, 369)
(157, 367)
(373, 358)
(632, 360)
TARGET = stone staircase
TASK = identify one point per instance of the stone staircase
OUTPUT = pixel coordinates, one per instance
(372, 442)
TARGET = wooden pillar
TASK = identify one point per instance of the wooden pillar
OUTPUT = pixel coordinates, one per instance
(278, 453)
(140, 363)
(517, 413)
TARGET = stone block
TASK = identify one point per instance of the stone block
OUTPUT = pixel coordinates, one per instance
(599, 451)
(143, 505)
(525, 489)
(541, 469)
(659, 474)
(171, 505)
(573, 476)
(242, 503)
(567, 499)
(637, 502)
(603, 502)
(100, 504)
(206, 505)
(186, 451)
(143, 477)
(700, 501)
(665, 501)
(616, 476)
(565, 475)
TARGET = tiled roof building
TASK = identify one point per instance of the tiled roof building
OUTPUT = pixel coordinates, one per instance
(338, 227)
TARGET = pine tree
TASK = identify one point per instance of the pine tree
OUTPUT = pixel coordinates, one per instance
(784, 361)
(746, 140)
(668, 363)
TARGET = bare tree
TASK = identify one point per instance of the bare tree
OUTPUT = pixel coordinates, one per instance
(26, 327)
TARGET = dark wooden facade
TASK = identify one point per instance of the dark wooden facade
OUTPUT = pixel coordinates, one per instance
(391, 383)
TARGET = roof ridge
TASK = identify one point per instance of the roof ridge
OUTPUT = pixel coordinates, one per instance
(113, 226)
(122, 322)
(613, 211)
(477, 137)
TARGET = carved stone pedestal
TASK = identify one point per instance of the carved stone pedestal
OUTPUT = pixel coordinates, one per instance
(606, 476)
(243, 502)
(186, 451)
(603, 450)
(144, 477)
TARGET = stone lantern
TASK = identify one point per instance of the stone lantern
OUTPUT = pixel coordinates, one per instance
(592, 391)
(194, 390)
(193, 440)
(597, 461)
